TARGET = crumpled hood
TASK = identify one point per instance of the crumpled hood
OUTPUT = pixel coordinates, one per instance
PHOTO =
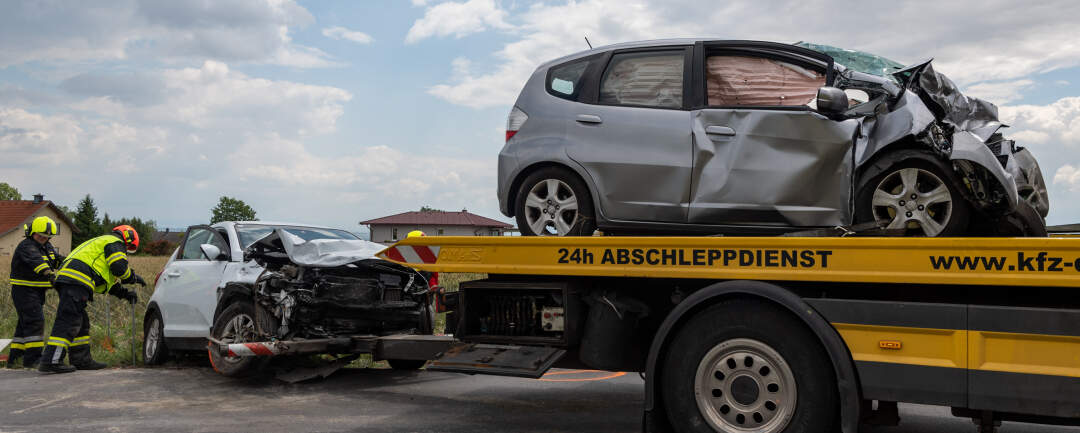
(325, 253)
(949, 105)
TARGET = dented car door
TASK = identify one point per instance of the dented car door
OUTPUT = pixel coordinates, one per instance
(762, 154)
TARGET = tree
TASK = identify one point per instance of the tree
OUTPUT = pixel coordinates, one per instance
(430, 209)
(86, 221)
(8, 192)
(231, 209)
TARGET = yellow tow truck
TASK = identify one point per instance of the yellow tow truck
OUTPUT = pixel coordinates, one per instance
(775, 334)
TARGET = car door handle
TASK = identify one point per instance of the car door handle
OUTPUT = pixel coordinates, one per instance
(719, 130)
(589, 118)
(173, 274)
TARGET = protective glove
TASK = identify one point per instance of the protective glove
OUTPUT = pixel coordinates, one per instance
(51, 276)
(131, 297)
(136, 279)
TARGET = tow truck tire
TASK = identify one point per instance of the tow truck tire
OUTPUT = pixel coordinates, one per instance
(568, 188)
(154, 350)
(746, 365)
(239, 313)
(406, 364)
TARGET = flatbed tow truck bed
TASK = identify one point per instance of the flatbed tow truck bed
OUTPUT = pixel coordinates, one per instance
(779, 333)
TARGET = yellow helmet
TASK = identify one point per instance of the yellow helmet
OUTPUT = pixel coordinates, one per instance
(44, 225)
(415, 233)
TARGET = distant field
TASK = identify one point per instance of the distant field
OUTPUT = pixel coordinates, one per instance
(119, 352)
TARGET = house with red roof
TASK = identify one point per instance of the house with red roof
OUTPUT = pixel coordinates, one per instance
(390, 229)
(15, 213)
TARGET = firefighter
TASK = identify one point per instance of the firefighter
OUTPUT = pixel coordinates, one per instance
(415, 233)
(96, 266)
(33, 268)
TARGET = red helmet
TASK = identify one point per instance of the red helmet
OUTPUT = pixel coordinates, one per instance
(129, 235)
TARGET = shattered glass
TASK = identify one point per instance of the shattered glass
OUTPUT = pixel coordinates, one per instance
(857, 60)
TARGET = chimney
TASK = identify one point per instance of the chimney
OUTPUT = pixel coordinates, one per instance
(38, 198)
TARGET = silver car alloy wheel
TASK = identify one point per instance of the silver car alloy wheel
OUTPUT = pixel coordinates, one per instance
(153, 339)
(551, 208)
(744, 385)
(913, 199)
(239, 330)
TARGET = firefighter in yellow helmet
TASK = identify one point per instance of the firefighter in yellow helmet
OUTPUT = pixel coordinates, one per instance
(415, 233)
(99, 265)
(33, 267)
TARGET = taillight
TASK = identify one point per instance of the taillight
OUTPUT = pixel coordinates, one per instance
(514, 122)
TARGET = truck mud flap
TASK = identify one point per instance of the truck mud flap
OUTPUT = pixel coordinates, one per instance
(498, 360)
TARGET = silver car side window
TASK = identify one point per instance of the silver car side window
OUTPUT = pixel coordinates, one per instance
(757, 81)
(651, 79)
(565, 78)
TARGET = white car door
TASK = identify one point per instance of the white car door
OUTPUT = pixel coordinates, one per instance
(190, 283)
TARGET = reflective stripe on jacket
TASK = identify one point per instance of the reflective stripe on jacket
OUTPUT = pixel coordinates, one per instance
(31, 263)
(98, 264)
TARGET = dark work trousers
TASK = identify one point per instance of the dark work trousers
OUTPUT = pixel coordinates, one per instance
(27, 342)
(71, 331)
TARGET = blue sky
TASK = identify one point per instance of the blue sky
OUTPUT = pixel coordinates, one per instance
(333, 112)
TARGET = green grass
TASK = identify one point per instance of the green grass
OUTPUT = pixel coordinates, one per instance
(118, 313)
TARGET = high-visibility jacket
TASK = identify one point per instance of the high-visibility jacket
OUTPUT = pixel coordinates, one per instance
(32, 262)
(98, 264)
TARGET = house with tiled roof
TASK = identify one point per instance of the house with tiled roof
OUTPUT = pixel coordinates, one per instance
(15, 213)
(390, 229)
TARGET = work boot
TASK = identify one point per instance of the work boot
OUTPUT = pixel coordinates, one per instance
(55, 368)
(89, 364)
(11, 363)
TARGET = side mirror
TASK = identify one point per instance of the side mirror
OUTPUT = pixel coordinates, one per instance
(211, 252)
(831, 100)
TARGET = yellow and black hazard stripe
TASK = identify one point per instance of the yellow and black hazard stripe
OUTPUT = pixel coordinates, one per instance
(1011, 359)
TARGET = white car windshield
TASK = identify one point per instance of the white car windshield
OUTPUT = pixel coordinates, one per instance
(249, 233)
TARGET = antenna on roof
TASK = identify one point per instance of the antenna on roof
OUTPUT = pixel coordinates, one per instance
(587, 41)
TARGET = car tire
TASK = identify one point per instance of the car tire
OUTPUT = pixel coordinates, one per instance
(747, 365)
(406, 364)
(1026, 221)
(552, 191)
(919, 195)
(240, 315)
(155, 352)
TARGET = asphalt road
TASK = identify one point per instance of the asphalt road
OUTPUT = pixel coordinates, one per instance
(199, 400)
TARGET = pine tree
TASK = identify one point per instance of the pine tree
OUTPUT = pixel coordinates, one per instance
(86, 221)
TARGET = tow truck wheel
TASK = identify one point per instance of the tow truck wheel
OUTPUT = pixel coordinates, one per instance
(745, 365)
(154, 350)
(236, 325)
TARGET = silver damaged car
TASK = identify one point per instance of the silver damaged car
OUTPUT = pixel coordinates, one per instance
(759, 138)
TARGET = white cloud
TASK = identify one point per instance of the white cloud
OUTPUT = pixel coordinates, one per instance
(458, 20)
(1000, 92)
(342, 33)
(1057, 123)
(1068, 176)
(225, 30)
(1025, 39)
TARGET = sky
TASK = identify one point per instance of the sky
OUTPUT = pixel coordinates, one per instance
(332, 112)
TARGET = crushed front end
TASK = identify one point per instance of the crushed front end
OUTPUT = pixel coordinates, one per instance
(325, 295)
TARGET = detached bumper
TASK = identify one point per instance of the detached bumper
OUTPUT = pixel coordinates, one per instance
(419, 347)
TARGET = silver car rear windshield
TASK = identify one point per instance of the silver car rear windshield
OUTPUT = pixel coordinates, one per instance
(249, 233)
